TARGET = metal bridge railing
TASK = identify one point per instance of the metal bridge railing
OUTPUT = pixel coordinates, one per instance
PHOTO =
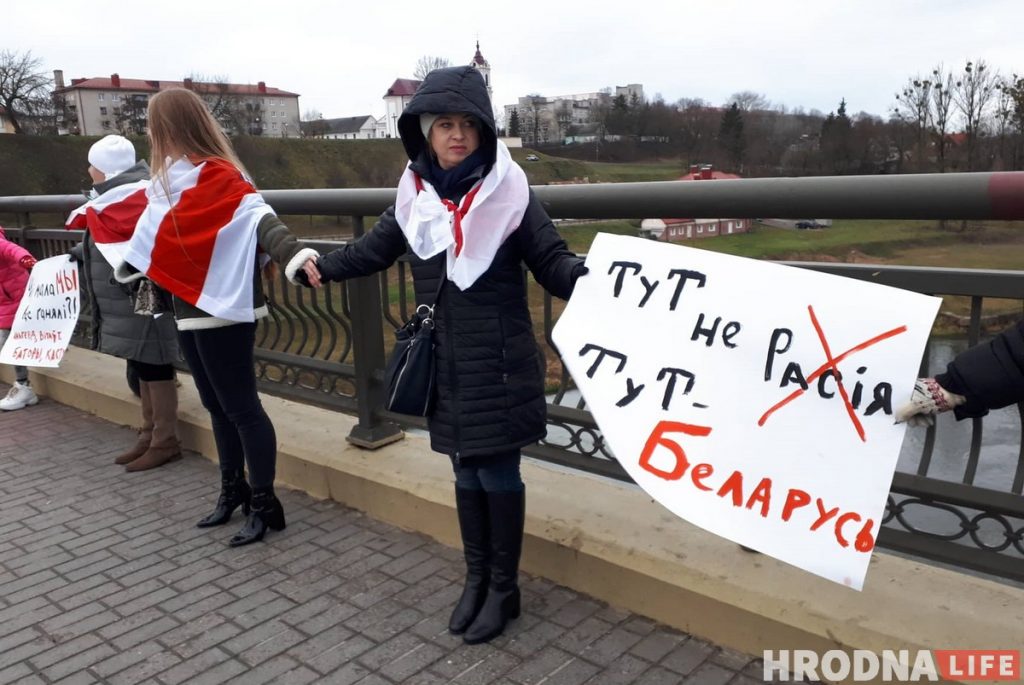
(328, 346)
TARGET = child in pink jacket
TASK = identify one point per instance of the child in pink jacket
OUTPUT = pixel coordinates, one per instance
(15, 263)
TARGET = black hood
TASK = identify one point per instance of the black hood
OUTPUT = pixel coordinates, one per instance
(448, 91)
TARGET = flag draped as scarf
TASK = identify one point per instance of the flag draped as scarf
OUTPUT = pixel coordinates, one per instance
(197, 237)
(111, 218)
(471, 232)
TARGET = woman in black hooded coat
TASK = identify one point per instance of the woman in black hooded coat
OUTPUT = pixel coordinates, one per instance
(465, 214)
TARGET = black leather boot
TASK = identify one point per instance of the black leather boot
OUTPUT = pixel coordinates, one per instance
(507, 512)
(266, 513)
(473, 524)
(234, 492)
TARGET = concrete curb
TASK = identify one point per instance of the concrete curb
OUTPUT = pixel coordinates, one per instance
(601, 537)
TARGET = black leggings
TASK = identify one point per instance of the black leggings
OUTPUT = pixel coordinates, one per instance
(152, 372)
(221, 361)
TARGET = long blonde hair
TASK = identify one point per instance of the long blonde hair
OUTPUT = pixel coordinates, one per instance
(181, 123)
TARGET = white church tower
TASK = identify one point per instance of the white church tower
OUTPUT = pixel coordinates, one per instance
(484, 67)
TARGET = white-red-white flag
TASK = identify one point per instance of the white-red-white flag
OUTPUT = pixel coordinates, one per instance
(204, 251)
(111, 218)
(472, 232)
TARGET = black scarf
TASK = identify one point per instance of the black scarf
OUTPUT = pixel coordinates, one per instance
(455, 182)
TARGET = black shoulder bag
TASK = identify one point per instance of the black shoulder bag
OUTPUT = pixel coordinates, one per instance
(409, 375)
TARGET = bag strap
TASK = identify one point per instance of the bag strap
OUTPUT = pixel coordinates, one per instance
(440, 286)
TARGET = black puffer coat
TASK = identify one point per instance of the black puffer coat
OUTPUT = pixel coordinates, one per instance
(490, 375)
(116, 329)
(990, 375)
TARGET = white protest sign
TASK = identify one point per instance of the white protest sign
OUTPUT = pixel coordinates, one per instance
(751, 399)
(46, 316)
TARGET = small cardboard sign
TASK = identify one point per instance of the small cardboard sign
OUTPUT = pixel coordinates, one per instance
(752, 399)
(47, 315)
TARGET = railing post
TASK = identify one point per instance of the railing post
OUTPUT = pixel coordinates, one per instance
(368, 350)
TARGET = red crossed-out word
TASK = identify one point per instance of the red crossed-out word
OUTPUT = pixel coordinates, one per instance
(832, 364)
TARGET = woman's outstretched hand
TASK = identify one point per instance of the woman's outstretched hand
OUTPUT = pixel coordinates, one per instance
(928, 399)
(312, 273)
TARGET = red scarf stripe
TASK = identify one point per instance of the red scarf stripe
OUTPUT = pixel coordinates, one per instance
(77, 221)
(185, 240)
(457, 211)
(115, 223)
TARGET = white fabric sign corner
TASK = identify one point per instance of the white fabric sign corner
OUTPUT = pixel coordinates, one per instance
(46, 316)
(752, 399)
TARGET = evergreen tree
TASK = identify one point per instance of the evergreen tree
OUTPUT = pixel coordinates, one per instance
(730, 136)
(513, 123)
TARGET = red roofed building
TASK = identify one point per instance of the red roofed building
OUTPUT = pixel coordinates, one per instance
(678, 230)
(97, 106)
(395, 100)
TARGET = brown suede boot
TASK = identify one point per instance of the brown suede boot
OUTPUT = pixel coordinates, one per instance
(164, 446)
(145, 434)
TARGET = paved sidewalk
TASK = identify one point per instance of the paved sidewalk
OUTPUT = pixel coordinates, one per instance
(104, 578)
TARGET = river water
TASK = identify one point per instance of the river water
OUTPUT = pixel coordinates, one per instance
(1000, 444)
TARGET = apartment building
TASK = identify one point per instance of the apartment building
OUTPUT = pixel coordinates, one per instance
(97, 106)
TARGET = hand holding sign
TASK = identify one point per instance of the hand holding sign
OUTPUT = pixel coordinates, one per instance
(46, 317)
(928, 399)
(751, 399)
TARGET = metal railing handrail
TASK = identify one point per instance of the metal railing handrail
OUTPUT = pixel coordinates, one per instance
(328, 347)
(976, 195)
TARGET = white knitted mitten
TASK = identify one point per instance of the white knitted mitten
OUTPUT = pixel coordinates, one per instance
(928, 399)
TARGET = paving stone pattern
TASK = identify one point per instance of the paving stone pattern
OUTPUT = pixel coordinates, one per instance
(105, 579)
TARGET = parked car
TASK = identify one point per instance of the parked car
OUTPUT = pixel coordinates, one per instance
(532, 158)
(808, 224)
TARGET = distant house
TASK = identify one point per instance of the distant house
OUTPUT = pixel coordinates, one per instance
(97, 106)
(395, 100)
(344, 128)
(678, 230)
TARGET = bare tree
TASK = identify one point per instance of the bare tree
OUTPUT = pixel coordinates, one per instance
(1003, 117)
(531, 117)
(24, 87)
(972, 94)
(942, 101)
(914, 107)
(1013, 88)
(130, 116)
(427, 63)
(748, 101)
(563, 115)
(237, 114)
(313, 124)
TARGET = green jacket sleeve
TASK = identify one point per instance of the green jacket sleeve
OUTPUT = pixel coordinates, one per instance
(284, 248)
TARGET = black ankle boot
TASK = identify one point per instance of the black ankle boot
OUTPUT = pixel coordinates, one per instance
(234, 492)
(266, 513)
(472, 509)
(506, 511)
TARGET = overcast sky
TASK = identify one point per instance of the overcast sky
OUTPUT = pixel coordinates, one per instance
(342, 56)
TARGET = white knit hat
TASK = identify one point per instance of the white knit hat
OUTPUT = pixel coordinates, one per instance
(426, 121)
(112, 155)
